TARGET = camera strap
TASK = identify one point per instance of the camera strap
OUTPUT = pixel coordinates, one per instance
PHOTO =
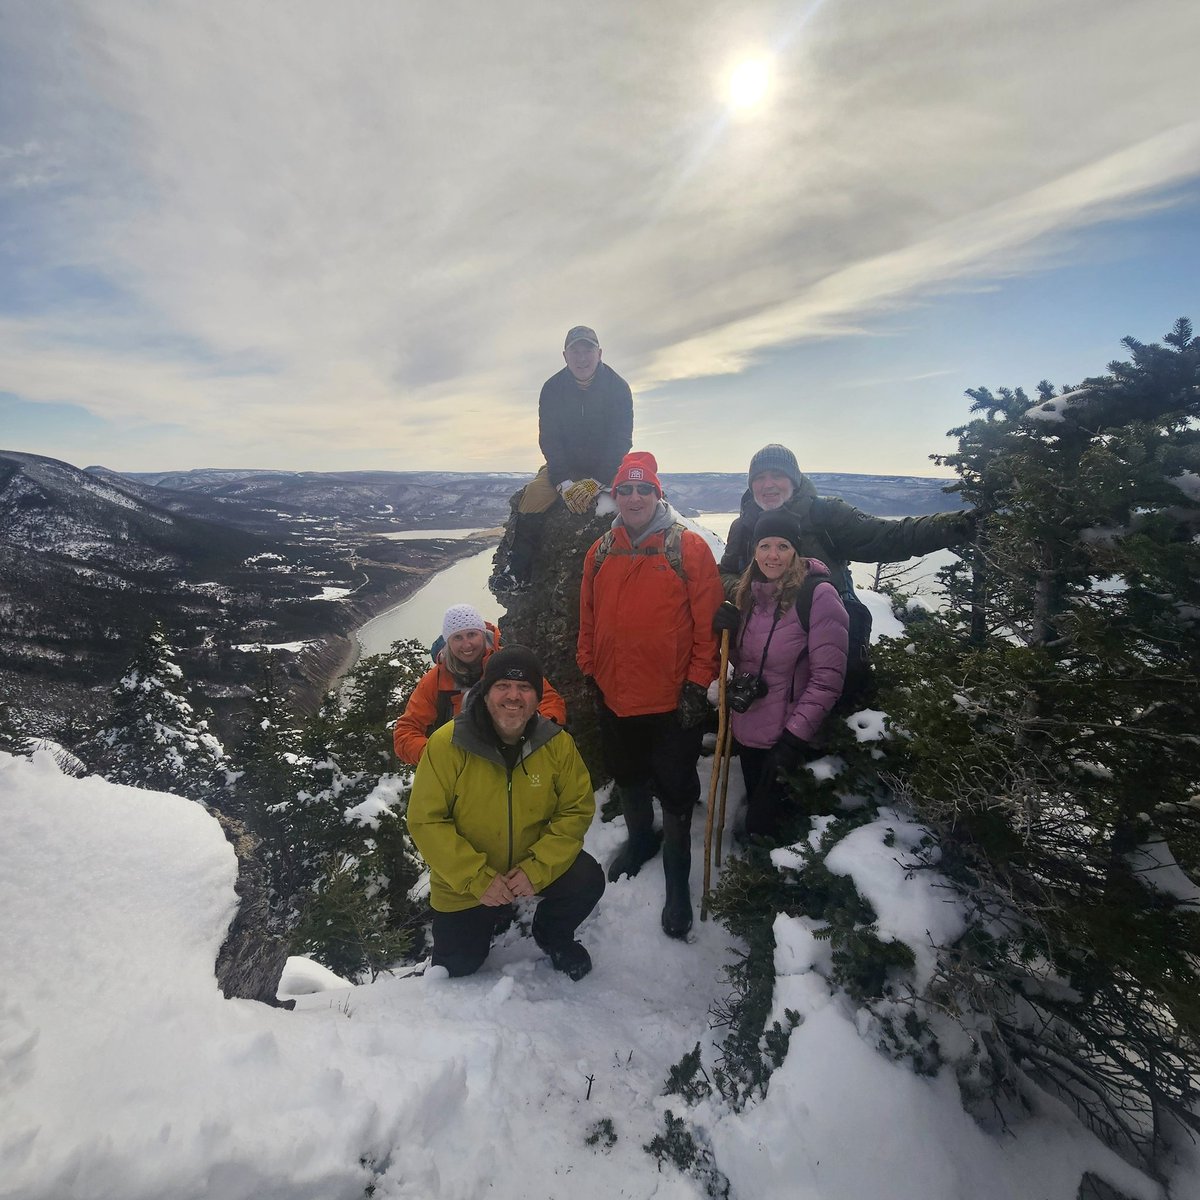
(762, 666)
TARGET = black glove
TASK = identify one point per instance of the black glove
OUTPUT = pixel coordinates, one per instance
(693, 705)
(727, 617)
(786, 756)
(593, 690)
(968, 525)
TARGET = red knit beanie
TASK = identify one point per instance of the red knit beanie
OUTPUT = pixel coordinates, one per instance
(638, 466)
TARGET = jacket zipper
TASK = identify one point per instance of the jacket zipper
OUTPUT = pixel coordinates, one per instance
(510, 819)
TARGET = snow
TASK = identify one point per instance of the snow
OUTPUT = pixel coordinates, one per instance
(260, 647)
(916, 908)
(126, 1074)
(1053, 411)
(1188, 482)
(1156, 867)
(334, 593)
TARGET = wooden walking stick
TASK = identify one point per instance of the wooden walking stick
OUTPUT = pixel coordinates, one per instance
(716, 771)
(724, 783)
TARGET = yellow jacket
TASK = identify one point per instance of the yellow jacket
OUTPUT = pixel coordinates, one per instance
(472, 819)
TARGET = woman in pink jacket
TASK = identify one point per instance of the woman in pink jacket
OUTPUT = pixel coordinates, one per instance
(786, 678)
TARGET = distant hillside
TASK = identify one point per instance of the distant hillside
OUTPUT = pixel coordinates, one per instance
(89, 559)
(386, 500)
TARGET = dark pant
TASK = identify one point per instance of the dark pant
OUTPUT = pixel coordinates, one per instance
(653, 749)
(768, 798)
(461, 940)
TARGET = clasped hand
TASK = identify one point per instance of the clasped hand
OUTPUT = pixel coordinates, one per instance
(580, 495)
(504, 889)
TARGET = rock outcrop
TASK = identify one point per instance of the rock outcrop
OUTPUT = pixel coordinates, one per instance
(546, 617)
(251, 959)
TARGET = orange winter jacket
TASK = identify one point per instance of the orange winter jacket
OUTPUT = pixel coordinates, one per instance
(642, 629)
(437, 699)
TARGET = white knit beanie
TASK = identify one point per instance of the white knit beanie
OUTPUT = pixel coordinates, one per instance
(459, 617)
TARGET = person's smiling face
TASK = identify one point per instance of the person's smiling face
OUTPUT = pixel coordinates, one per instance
(774, 555)
(510, 704)
(466, 645)
(771, 489)
(636, 502)
(582, 358)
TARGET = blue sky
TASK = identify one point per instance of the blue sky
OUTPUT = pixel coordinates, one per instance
(286, 236)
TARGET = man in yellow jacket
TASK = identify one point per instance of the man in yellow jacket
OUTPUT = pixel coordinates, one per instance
(499, 808)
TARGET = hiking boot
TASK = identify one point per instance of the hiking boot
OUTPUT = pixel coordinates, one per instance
(504, 583)
(637, 807)
(677, 866)
(571, 958)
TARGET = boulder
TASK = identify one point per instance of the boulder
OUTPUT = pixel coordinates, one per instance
(546, 617)
(251, 959)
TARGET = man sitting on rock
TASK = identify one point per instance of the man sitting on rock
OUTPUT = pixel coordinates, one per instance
(469, 642)
(499, 809)
(585, 425)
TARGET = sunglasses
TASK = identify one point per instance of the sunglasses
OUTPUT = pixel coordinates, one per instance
(642, 489)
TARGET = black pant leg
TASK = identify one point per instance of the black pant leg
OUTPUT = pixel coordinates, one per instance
(461, 940)
(752, 759)
(625, 744)
(564, 904)
(673, 757)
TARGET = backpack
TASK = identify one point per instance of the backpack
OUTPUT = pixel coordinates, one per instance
(671, 550)
(859, 687)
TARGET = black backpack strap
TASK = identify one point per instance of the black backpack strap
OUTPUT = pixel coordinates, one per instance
(804, 597)
(445, 711)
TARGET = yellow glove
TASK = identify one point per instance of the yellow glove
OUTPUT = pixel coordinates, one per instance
(580, 496)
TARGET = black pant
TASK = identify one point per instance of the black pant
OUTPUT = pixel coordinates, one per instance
(461, 940)
(653, 749)
(768, 798)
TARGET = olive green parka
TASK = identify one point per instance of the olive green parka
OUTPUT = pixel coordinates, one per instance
(473, 818)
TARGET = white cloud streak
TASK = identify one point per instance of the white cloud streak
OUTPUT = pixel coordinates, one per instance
(341, 235)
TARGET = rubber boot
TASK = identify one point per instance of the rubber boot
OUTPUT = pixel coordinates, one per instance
(677, 866)
(637, 807)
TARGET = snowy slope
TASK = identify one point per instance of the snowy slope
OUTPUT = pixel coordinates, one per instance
(124, 1074)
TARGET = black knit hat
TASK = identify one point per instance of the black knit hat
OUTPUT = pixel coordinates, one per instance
(774, 457)
(512, 662)
(777, 523)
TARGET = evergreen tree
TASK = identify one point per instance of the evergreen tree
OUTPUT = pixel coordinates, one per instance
(1043, 729)
(153, 738)
(12, 739)
(341, 874)
(1049, 725)
(264, 793)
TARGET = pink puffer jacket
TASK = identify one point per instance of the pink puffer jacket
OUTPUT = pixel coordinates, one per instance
(803, 671)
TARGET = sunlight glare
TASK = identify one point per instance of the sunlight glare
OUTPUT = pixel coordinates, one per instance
(748, 82)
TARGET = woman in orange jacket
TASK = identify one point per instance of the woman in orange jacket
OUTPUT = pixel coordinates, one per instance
(437, 698)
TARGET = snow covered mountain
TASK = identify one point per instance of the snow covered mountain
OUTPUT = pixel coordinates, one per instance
(411, 499)
(89, 560)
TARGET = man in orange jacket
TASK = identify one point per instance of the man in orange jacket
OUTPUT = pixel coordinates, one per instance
(650, 589)
(437, 698)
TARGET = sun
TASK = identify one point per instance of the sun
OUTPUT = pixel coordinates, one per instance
(747, 83)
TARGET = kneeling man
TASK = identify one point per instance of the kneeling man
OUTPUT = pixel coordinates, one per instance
(499, 808)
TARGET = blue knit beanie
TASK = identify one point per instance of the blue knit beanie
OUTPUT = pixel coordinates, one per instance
(774, 457)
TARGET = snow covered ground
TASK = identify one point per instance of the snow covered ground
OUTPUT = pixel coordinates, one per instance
(124, 1074)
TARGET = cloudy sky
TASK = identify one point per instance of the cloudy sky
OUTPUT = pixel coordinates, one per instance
(295, 234)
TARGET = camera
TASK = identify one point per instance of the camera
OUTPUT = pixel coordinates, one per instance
(743, 689)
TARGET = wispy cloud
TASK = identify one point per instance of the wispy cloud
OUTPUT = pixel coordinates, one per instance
(359, 230)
